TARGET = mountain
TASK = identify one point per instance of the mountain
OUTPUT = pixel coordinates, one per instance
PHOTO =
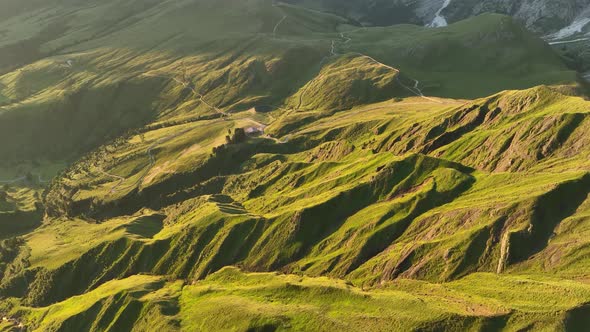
(261, 166)
(565, 24)
(82, 93)
(541, 16)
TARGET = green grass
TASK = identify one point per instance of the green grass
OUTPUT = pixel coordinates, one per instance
(238, 301)
(347, 82)
(357, 206)
(324, 304)
(385, 210)
(62, 315)
(123, 79)
(325, 203)
(465, 59)
(233, 300)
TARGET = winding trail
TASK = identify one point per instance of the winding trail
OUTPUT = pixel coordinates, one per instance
(120, 178)
(415, 89)
(261, 127)
(274, 31)
(333, 48)
(189, 86)
(23, 178)
(152, 162)
(344, 39)
(332, 53)
(149, 150)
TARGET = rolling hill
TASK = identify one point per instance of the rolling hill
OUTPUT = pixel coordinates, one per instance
(259, 166)
(542, 16)
(92, 86)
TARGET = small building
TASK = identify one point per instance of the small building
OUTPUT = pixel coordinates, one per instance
(252, 131)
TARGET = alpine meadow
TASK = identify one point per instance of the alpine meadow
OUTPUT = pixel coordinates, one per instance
(295, 165)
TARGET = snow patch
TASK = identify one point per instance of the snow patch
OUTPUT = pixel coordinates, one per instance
(439, 20)
(559, 42)
(572, 29)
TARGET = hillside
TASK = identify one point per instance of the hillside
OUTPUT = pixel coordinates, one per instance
(337, 179)
(93, 86)
(259, 166)
(233, 300)
(562, 17)
(333, 200)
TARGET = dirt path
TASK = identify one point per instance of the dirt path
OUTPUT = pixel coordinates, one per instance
(193, 90)
(414, 89)
(344, 39)
(152, 162)
(276, 27)
(23, 178)
(120, 178)
(261, 126)
(279, 141)
(274, 31)
(333, 52)
(150, 149)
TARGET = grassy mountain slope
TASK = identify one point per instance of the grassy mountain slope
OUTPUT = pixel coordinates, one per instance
(307, 153)
(471, 58)
(70, 89)
(233, 300)
(329, 198)
(287, 183)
